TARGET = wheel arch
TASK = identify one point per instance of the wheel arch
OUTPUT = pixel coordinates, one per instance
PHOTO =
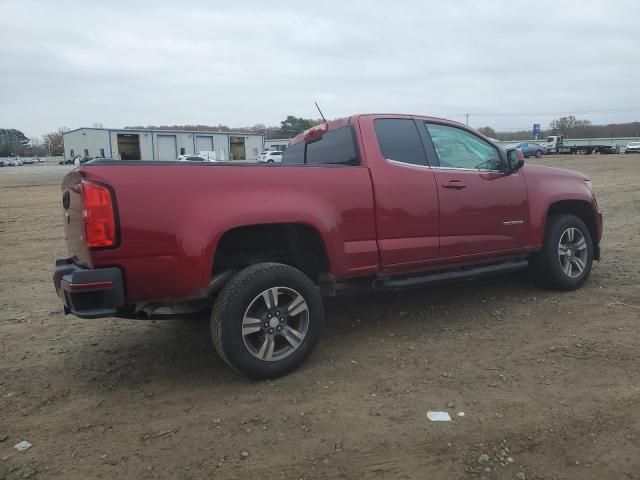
(299, 245)
(581, 209)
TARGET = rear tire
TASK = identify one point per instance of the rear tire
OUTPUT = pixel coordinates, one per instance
(267, 320)
(565, 261)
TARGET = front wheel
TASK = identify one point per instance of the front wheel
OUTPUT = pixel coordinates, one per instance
(538, 153)
(267, 320)
(565, 261)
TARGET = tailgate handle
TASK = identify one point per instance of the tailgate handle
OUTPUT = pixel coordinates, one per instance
(455, 184)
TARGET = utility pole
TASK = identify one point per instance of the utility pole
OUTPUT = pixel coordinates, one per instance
(467, 115)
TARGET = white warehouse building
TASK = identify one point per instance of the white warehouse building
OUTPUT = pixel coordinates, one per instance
(161, 145)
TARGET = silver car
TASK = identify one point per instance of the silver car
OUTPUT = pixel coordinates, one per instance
(632, 147)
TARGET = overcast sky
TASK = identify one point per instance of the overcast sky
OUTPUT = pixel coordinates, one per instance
(507, 63)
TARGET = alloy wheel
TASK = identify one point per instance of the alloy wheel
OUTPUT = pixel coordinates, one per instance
(572, 252)
(275, 324)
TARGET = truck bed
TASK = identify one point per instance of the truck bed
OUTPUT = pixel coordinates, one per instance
(171, 216)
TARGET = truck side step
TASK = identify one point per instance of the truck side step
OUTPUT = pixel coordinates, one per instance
(405, 281)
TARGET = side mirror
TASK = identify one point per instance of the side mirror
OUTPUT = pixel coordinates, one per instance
(515, 159)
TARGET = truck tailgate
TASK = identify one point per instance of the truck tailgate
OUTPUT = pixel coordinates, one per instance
(72, 218)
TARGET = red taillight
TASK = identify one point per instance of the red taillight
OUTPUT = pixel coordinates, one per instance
(98, 215)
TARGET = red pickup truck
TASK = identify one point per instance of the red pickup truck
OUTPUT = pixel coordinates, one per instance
(393, 200)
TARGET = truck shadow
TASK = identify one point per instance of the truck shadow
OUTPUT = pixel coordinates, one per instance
(429, 306)
(132, 354)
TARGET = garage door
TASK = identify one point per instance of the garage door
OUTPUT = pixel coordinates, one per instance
(167, 147)
(204, 144)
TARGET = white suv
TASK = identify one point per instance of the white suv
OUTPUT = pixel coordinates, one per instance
(271, 156)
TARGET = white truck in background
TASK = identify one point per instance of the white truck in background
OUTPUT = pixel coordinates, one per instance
(559, 145)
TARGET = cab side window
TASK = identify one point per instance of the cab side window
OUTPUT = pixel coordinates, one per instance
(457, 148)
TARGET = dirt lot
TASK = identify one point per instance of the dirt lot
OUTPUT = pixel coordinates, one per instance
(549, 382)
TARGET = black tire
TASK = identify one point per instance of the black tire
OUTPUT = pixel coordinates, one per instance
(538, 153)
(270, 161)
(546, 264)
(240, 294)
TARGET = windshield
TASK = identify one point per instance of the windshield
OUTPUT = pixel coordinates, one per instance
(634, 144)
(550, 139)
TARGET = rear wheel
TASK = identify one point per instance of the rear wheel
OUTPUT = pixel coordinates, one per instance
(267, 320)
(565, 261)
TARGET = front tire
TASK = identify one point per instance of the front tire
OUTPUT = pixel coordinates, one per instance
(267, 320)
(538, 153)
(565, 261)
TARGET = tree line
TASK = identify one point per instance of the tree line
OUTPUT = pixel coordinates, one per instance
(570, 127)
(13, 143)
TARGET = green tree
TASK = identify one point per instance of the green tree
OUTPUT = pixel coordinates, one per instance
(292, 126)
(12, 142)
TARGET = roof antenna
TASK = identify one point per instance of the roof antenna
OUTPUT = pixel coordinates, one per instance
(323, 119)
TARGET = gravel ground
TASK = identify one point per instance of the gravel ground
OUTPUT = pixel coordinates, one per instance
(548, 382)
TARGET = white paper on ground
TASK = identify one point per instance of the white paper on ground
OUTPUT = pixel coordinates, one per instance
(23, 446)
(438, 416)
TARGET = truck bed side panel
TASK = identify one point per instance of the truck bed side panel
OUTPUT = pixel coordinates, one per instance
(173, 216)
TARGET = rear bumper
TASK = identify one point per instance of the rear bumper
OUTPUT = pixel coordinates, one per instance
(88, 293)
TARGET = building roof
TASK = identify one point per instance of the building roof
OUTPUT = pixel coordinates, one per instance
(160, 130)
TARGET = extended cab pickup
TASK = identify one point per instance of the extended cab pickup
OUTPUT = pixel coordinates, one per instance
(393, 200)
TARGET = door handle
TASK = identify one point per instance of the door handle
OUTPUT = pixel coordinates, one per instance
(455, 184)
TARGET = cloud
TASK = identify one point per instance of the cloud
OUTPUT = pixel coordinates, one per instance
(74, 63)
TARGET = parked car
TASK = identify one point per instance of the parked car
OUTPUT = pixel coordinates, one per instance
(632, 147)
(208, 155)
(190, 158)
(28, 160)
(393, 201)
(531, 149)
(271, 156)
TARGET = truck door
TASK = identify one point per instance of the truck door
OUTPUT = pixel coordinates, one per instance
(405, 192)
(483, 210)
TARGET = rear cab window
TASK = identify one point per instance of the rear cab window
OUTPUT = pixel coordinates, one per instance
(294, 154)
(399, 141)
(335, 147)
